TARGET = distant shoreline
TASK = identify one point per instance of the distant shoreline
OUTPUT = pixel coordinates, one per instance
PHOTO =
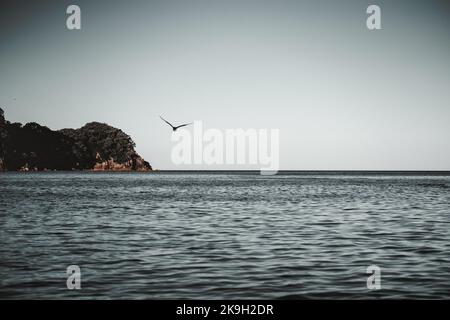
(257, 172)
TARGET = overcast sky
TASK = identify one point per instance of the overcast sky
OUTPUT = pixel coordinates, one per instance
(343, 97)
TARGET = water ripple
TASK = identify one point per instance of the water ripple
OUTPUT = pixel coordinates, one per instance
(229, 236)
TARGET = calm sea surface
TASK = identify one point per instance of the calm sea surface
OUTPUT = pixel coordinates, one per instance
(229, 235)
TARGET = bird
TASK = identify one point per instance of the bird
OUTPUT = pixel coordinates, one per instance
(174, 128)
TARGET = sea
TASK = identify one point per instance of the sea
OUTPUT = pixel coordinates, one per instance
(225, 235)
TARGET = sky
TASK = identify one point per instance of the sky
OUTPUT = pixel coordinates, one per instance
(343, 97)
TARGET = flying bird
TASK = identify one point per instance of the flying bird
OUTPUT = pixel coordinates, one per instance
(174, 128)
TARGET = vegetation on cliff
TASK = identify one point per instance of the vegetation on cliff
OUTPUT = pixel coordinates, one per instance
(95, 146)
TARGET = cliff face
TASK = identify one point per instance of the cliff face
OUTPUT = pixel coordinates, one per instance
(95, 146)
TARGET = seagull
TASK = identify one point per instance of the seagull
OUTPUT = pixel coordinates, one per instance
(174, 128)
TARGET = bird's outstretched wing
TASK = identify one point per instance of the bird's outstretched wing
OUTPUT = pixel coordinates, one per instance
(183, 125)
(166, 122)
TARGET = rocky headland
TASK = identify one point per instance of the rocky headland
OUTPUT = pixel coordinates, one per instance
(95, 146)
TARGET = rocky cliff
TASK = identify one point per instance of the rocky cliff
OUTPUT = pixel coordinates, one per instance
(95, 146)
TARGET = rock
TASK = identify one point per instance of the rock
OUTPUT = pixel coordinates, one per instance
(95, 146)
(3, 135)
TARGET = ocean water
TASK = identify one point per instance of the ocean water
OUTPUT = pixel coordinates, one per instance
(224, 235)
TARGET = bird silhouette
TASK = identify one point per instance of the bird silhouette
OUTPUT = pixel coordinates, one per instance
(174, 128)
